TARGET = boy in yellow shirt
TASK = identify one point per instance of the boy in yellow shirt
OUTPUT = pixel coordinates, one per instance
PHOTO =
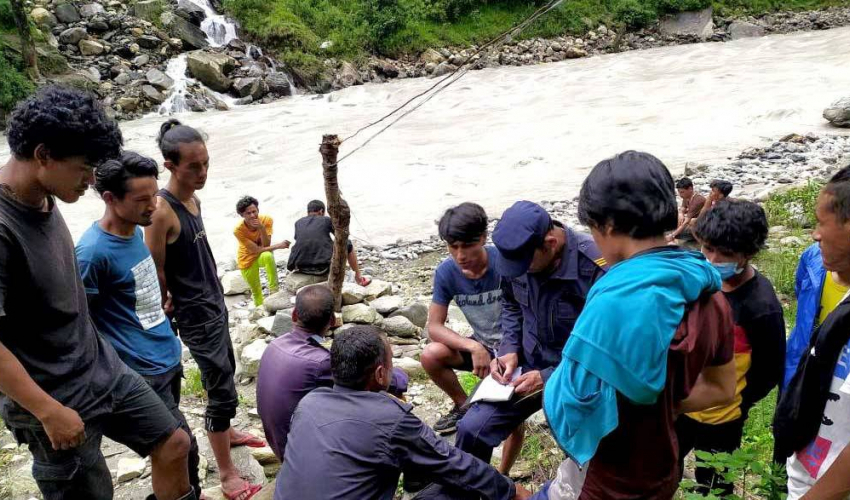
(254, 235)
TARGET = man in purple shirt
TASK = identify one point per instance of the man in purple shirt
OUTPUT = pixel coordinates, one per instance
(296, 363)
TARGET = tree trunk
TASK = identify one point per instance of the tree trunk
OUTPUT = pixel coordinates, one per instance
(339, 213)
(27, 44)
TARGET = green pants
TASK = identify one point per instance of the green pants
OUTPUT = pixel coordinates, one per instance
(252, 276)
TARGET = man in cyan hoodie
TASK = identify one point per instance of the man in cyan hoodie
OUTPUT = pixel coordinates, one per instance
(651, 326)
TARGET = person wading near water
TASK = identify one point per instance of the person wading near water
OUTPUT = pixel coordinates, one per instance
(654, 340)
(812, 421)
(122, 288)
(469, 278)
(63, 386)
(192, 292)
(314, 247)
(731, 234)
(254, 235)
(547, 271)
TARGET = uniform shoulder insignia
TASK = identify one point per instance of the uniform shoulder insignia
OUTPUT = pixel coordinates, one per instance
(588, 248)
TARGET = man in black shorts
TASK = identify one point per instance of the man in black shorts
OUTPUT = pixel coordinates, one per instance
(192, 294)
(63, 386)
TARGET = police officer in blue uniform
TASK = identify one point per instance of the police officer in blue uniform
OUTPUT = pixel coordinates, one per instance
(547, 270)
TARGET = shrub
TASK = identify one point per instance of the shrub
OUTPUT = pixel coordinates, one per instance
(14, 85)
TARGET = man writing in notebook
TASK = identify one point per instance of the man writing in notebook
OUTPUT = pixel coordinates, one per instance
(547, 271)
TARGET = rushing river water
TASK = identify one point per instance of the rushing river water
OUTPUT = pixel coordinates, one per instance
(504, 134)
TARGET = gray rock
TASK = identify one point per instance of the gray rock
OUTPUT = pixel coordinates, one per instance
(211, 69)
(742, 29)
(91, 48)
(244, 87)
(412, 367)
(149, 10)
(386, 304)
(43, 17)
(279, 83)
(792, 241)
(360, 313)
(148, 42)
(190, 12)
(237, 44)
(282, 322)
(122, 79)
(377, 289)
(191, 35)
(417, 314)
(130, 468)
(153, 94)
(444, 68)
(399, 326)
(232, 281)
(91, 10)
(352, 293)
(72, 36)
(251, 356)
(348, 75)
(91, 74)
(278, 301)
(247, 332)
(67, 13)
(838, 113)
(432, 56)
(297, 281)
(141, 60)
(98, 26)
(159, 80)
(698, 23)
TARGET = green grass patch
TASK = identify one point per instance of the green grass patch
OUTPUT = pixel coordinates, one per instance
(794, 208)
(780, 266)
(468, 381)
(192, 385)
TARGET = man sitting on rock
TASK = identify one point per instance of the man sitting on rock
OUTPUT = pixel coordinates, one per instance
(297, 363)
(354, 440)
(720, 190)
(469, 278)
(254, 235)
(547, 271)
(692, 204)
(314, 247)
(122, 288)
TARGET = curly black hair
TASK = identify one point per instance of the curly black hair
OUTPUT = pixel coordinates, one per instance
(733, 226)
(68, 122)
(634, 192)
(112, 175)
(245, 202)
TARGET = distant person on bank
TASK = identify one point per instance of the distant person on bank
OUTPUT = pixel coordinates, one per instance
(720, 190)
(314, 246)
(63, 385)
(296, 363)
(122, 288)
(254, 235)
(692, 205)
(352, 441)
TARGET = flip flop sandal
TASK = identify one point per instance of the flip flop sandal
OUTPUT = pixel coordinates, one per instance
(251, 442)
(251, 490)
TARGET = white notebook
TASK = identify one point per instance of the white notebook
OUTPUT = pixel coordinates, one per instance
(493, 392)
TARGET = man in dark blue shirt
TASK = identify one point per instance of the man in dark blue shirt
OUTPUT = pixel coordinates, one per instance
(547, 270)
(354, 440)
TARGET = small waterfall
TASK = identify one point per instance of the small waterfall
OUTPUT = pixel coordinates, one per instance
(176, 101)
(219, 29)
(253, 49)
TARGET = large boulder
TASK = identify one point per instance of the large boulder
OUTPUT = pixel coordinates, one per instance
(244, 87)
(348, 75)
(91, 10)
(91, 48)
(432, 56)
(297, 281)
(149, 10)
(410, 366)
(190, 12)
(66, 13)
(352, 293)
(377, 289)
(232, 281)
(386, 304)
(743, 29)
(695, 23)
(400, 326)
(279, 83)
(72, 36)
(417, 314)
(163, 82)
(148, 42)
(360, 313)
(278, 324)
(211, 69)
(191, 35)
(278, 301)
(43, 17)
(246, 332)
(839, 113)
(152, 94)
(251, 356)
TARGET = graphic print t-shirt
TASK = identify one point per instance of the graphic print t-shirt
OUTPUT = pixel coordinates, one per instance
(810, 464)
(126, 307)
(478, 299)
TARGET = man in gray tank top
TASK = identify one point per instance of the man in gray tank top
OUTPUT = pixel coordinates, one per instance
(193, 296)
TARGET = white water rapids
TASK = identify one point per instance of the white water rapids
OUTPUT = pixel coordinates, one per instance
(504, 134)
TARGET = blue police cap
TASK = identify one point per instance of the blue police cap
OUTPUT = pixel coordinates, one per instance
(519, 232)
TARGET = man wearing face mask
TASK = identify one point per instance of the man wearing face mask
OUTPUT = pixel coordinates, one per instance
(731, 234)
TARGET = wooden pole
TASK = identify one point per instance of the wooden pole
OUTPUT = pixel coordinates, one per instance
(27, 46)
(340, 216)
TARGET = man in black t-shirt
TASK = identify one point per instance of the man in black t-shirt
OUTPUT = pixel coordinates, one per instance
(63, 386)
(731, 234)
(314, 248)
